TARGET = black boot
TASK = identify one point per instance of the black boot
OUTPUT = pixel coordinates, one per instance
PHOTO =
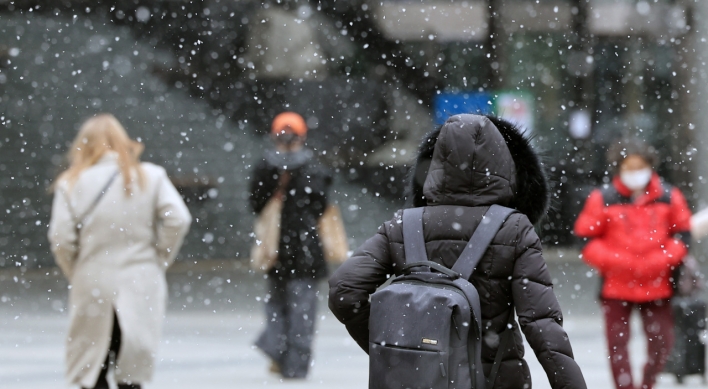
(129, 386)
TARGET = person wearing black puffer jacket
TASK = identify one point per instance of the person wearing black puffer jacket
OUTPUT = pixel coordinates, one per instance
(292, 171)
(462, 168)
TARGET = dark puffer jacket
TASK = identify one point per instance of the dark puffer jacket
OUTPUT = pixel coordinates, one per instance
(300, 252)
(469, 164)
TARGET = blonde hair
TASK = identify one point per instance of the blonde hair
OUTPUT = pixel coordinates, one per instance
(98, 135)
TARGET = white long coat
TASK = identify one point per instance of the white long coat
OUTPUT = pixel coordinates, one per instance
(116, 263)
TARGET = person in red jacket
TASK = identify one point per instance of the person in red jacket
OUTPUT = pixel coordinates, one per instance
(638, 230)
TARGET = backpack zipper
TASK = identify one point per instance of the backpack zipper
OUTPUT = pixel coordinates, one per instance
(443, 371)
(405, 348)
(442, 364)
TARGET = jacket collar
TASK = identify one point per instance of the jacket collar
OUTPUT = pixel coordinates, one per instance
(291, 160)
(109, 157)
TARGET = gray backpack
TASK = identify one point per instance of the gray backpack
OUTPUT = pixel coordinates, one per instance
(425, 326)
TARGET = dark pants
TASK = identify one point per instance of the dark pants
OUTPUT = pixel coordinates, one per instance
(111, 358)
(291, 306)
(657, 319)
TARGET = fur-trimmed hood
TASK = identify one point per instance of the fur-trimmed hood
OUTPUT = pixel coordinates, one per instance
(475, 160)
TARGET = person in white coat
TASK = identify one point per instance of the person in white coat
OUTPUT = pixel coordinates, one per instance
(116, 225)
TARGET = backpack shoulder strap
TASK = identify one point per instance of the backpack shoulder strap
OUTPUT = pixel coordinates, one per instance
(413, 241)
(482, 237)
(666, 191)
(610, 196)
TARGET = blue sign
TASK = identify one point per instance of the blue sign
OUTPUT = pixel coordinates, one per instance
(449, 104)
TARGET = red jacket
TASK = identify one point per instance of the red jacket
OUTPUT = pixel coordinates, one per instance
(634, 242)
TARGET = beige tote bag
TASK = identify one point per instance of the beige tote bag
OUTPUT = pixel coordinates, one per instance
(332, 235)
(264, 252)
(266, 228)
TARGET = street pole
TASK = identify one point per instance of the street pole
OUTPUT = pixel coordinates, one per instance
(699, 107)
(493, 46)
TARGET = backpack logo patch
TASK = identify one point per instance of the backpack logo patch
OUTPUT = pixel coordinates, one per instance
(429, 341)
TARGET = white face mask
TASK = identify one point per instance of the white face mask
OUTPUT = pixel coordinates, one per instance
(636, 179)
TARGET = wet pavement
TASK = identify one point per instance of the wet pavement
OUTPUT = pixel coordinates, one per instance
(215, 314)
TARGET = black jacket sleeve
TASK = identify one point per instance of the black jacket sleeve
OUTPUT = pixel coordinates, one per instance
(317, 183)
(351, 285)
(264, 182)
(539, 313)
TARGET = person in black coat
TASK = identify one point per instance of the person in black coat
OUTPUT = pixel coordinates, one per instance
(464, 167)
(291, 171)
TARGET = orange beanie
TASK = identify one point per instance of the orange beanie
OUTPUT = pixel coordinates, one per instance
(289, 122)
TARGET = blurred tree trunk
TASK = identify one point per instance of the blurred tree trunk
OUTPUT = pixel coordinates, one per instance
(357, 18)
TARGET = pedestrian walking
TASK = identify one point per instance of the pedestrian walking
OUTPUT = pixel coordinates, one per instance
(638, 231)
(463, 169)
(290, 172)
(116, 225)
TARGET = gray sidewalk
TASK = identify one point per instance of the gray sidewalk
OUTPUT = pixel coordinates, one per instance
(215, 314)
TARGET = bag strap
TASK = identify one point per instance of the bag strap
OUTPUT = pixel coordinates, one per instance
(413, 241)
(79, 221)
(505, 342)
(482, 237)
(283, 182)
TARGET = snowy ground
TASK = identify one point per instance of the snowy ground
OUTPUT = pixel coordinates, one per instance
(213, 317)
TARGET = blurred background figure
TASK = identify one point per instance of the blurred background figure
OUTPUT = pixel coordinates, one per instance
(116, 225)
(290, 170)
(639, 230)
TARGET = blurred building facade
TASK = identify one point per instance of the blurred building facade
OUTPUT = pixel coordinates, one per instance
(199, 81)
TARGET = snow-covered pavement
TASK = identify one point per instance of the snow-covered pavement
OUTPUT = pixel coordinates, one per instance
(214, 316)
